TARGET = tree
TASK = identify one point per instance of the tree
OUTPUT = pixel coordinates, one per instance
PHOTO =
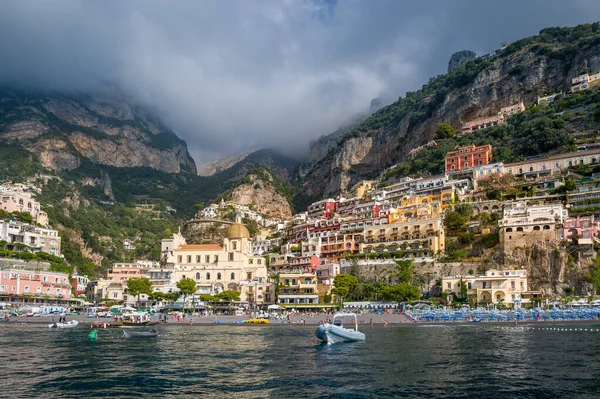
(454, 221)
(498, 186)
(139, 286)
(167, 233)
(343, 285)
(229, 296)
(444, 131)
(405, 271)
(187, 286)
(402, 292)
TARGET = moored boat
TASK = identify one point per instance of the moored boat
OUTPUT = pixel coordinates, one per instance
(335, 332)
(140, 334)
(68, 324)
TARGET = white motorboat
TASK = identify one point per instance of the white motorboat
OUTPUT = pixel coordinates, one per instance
(68, 324)
(336, 332)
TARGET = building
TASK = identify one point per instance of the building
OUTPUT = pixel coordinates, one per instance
(482, 123)
(535, 168)
(15, 200)
(79, 283)
(121, 272)
(22, 282)
(522, 224)
(468, 156)
(21, 236)
(580, 227)
(481, 171)
(512, 109)
(414, 233)
(413, 153)
(298, 289)
(585, 81)
(505, 287)
(260, 244)
(323, 209)
(220, 267)
(548, 99)
(362, 188)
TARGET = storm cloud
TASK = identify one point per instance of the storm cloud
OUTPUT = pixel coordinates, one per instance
(237, 74)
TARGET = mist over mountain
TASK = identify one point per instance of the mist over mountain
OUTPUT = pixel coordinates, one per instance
(229, 76)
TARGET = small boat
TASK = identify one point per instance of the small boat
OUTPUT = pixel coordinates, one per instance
(68, 324)
(129, 323)
(140, 334)
(335, 332)
(257, 321)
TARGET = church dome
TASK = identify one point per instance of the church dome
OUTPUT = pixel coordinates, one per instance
(238, 230)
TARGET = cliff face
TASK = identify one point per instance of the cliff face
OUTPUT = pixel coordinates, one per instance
(516, 73)
(63, 129)
(460, 58)
(262, 197)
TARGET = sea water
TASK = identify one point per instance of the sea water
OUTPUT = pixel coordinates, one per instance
(288, 362)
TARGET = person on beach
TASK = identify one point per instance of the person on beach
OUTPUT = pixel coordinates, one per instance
(371, 322)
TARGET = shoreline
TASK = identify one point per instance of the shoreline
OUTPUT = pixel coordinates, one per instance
(393, 320)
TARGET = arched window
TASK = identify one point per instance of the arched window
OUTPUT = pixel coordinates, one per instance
(509, 230)
(218, 276)
(232, 276)
(546, 227)
(208, 276)
(197, 276)
(536, 228)
(234, 245)
(519, 229)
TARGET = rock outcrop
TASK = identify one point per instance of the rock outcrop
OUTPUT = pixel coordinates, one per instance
(63, 129)
(262, 197)
(459, 58)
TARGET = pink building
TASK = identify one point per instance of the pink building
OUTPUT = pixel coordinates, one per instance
(19, 201)
(35, 283)
(581, 226)
(482, 123)
(121, 272)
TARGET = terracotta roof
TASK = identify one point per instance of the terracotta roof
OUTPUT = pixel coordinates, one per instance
(201, 247)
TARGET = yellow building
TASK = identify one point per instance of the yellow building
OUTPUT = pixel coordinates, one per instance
(216, 268)
(362, 188)
(508, 287)
(415, 229)
(439, 197)
(298, 288)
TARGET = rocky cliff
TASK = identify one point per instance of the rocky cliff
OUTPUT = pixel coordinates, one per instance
(221, 164)
(258, 193)
(63, 129)
(459, 58)
(522, 71)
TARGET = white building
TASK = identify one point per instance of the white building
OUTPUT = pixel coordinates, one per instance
(34, 238)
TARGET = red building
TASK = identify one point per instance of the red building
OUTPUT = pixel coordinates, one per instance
(468, 156)
(323, 209)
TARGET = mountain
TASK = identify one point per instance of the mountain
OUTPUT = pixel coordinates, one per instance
(221, 164)
(64, 129)
(521, 71)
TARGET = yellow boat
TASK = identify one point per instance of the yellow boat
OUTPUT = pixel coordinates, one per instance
(258, 321)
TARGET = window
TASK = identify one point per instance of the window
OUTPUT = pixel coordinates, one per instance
(218, 276)
(249, 276)
(251, 261)
(512, 284)
(189, 259)
(231, 256)
(208, 276)
(115, 295)
(197, 276)
(234, 245)
(26, 289)
(509, 230)
(179, 259)
(259, 261)
(216, 258)
(197, 258)
(232, 277)
(207, 259)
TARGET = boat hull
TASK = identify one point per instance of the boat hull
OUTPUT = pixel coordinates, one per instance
(333, 334)
(70, 324)
(140, 334)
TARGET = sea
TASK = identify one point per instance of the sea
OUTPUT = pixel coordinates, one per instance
(474, 361)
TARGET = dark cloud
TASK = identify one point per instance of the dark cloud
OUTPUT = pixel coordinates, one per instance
(236, 74)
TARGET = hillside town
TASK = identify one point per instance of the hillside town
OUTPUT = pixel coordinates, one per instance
(473, 228)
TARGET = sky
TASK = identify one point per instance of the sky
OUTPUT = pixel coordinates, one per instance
(230, 75)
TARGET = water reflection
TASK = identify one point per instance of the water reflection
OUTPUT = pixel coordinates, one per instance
(284, 361)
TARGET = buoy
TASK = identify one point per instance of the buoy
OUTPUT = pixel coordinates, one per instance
(92, 335)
